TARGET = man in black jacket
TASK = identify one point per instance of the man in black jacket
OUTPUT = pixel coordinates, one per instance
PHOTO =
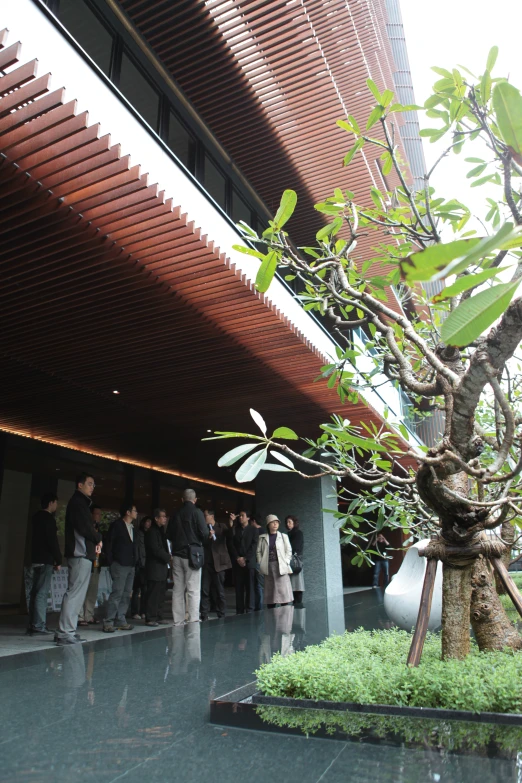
(243, 547)
(82, 543)
(120, 553)
(46, 555)
(156, 568)
(187, 528)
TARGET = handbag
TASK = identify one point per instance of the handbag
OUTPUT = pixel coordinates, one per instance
(296, 563)
(196, 555)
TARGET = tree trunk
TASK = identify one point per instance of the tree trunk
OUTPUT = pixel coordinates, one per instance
(492, 627)
(456, 602)
(507, 534)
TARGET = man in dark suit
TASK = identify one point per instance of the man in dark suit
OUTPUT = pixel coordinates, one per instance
(217, 561)
(243, 546)
(156, 568)
(120, 553)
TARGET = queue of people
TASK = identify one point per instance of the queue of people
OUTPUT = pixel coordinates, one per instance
(266, 567)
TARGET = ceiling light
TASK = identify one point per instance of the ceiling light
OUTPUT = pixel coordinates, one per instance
(209, 430)
(115, 391)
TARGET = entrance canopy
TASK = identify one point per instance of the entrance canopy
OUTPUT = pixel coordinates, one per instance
(125, 330)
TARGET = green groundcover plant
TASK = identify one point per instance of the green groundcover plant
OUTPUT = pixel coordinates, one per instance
(367, 667)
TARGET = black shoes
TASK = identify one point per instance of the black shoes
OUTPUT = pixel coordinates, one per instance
(31, 631)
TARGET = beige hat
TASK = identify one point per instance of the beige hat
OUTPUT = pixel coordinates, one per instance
(271, 518)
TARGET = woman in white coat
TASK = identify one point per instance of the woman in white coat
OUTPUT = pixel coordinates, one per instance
(274, 553)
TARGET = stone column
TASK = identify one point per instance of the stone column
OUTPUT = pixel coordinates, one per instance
(286, 493)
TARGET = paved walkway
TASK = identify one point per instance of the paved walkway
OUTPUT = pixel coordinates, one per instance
(135, 708)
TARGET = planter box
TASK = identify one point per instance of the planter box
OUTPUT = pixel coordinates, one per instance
(458, 731)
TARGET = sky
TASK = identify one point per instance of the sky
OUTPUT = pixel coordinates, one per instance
(449, 33)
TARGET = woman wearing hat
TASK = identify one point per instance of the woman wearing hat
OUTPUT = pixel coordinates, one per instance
(274, 553)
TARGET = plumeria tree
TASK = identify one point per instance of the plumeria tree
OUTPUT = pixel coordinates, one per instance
(455, 351)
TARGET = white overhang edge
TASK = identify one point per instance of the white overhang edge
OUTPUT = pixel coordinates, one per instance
(42, 40)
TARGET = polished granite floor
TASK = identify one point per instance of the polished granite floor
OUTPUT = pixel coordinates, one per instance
(136, 708)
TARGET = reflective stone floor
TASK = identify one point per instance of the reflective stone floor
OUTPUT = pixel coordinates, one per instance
(136, 708)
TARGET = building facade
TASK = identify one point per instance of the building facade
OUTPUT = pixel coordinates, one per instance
(134, 135)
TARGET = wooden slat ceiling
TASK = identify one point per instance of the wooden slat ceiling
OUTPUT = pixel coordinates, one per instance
(270, 78)
(107, 285)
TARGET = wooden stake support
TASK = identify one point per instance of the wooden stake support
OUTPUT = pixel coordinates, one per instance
(421, 628)
(509, 585)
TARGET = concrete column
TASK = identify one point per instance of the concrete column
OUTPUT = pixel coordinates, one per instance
(285, 493)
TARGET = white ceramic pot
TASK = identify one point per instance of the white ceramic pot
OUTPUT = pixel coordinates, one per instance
(403, 594)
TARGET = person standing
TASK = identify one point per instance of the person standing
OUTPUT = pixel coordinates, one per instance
(274, 554)
(82, 544)
(243, 547)
(382, 562)
(259, 577)
(120, 553)
(296, 538)
(139, 588)
(187, 532)
(46, 556)
(217, 561)
(87, 611)
(156, 568)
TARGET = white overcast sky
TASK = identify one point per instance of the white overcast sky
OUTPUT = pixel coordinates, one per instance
(452, 32)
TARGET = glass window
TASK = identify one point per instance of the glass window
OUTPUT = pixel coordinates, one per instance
(215, 182)
(240, 209)
(86, 28)
(139, 91)
(180, 141)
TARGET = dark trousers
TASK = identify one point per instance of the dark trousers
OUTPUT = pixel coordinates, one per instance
(139, 592)
(42, 576)
(245, 588)
(119, 599)
(155, 600)
(384, 566)
(212, 581)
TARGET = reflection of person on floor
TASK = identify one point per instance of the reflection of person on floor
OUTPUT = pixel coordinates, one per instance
(46, 555)
(87, 613)
(217, 561)
(82, 544)
(278, 636)
(156, 568)
(121, 554)
(74, 676)
(186, 648)
(382, 562)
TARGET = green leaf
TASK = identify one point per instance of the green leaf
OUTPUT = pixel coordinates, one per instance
(286, 208)
(353, 121)
(423, 265)
(507, 105)
(251, 467)
(473, 316)
(258, 420)
(355, 149)
(285, 433)
(374, 90)
(476, 171)
(275, 468)
(467, 282)
(331, 380)
(266, 271)
(485, 87)
(283, 459)
(345, 126)
(248, 251)
(492, 58)
(374, 116)
(235, 454)
(386, 98)
(481, 249)
(387, 165)
(442, 72)
(331, 228)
